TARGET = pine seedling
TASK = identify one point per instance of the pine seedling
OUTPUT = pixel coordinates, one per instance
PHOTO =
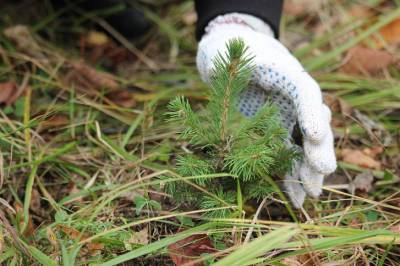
(252, 150)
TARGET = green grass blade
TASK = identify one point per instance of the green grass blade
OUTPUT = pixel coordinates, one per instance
(41, 257)
(256, 248)
(137, 122)
(157, 245)
(6, 255)
(318, 62)
(28, 196)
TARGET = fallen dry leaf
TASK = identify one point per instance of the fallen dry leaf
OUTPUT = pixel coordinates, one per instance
(97, 46)
(92, 248)
(55, 121)
(300, 7)
(140, 238)
(390, 34)
(123, 98)
(373, 152)
(36, 205)
(292, 261)
(189, 249)
(93, 77)
(300, 260)
(292, 8)
(361, 11)
(71, 232)
(337, 104)
(10, 91)
(359, 158)
(6, 90)
(354, 223)
(363, 60)
(30, 229)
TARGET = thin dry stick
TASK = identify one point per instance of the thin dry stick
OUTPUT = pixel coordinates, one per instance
(7, 205)
(128, 45)
(376, 203)
(215, 255)
(255, 218)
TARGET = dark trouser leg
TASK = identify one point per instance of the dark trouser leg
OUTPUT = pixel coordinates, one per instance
(130, 22)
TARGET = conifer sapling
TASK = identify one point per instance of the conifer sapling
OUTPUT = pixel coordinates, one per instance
(251, 150)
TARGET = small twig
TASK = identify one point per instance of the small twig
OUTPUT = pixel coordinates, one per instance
(7, 205)
(128, 45)
(255, 218)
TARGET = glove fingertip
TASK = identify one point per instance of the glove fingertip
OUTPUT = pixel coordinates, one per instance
(295, 192)
(312, 181)
(314, 128)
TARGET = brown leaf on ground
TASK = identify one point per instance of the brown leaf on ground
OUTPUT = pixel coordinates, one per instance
(87, 75)
(292, 8)
(97, 46)
(355, 223)
(390, 34)
(300, 260)
(30, 229)
(7, 89)
(337, 104)
(359, 158)
(363, 60)
(189, 249)
(10, 92)
(36, 205)
(361, 11)
(55, 121)
(373, 152)
(141, 237)
(94, 246)
(91, 248)
(71, 232)
(123, 98)
(299, 7)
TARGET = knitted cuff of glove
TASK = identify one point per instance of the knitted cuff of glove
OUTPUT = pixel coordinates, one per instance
(242, 20)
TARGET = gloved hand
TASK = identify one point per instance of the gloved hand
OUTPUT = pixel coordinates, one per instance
(279, 77)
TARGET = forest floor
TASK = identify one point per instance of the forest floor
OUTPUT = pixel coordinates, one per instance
(86, 149)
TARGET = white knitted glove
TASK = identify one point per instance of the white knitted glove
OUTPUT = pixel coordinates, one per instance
(280, 77)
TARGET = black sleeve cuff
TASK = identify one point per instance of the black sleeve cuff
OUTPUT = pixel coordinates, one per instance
(268, 10)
